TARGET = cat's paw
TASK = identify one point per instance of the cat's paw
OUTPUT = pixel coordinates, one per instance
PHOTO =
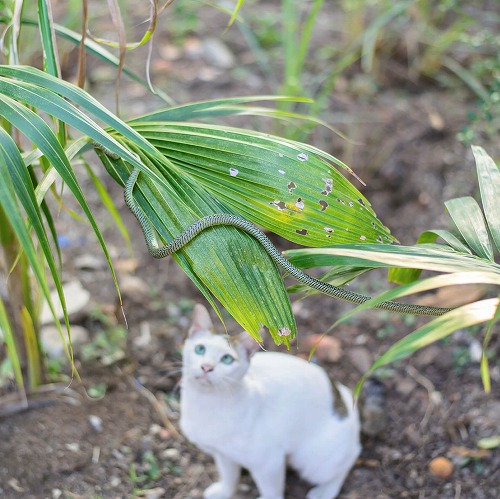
(325, 491)
(217, 490)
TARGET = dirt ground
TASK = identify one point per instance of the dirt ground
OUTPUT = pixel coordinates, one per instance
(126, 443)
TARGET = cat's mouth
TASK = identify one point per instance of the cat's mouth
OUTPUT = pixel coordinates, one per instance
(204, 379)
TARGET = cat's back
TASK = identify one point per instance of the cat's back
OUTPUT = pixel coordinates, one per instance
(281, 375)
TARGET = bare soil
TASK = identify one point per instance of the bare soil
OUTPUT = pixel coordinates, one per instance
(408, 154)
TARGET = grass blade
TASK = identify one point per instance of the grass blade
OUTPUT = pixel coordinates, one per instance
(485, 371)
(8, 338)
(415, 257)
(489, 185)
(36, 130)
(50, 60)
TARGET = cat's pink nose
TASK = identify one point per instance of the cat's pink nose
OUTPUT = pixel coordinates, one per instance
(206, 368)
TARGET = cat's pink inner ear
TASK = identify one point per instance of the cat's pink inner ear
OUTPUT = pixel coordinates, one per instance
(201, 321)
(250, 345)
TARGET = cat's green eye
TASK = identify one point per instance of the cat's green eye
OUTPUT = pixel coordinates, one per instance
(227, 359)
(200, 349)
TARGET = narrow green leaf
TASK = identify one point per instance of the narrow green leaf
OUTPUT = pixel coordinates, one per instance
(440, 281)
(33, 352)
(489, 185)
(210, 108)
(237, 8)
(109, 205)
(415, 257)
(372, 32)
(9, 203)
(100, 52)
(454, 241)
(469, 220)
(404, 275)
(32, 76)
(12, 351)
(485, 372)
(23, 188)
(50, 61)
(36, 130)
(55, 106)
(338, 276)
(468, 315)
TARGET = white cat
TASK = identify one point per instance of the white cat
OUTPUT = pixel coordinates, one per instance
(262, 411)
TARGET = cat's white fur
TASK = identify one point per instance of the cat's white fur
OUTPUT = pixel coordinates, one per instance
(263, 411)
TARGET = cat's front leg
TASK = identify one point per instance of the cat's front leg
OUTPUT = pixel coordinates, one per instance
(229, 475)
(269, 477)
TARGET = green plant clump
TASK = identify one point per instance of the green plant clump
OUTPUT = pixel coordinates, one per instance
(190, 170)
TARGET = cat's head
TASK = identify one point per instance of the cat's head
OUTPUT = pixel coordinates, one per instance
(213, 360)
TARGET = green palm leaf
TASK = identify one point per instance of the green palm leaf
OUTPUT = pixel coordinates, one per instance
(468, 218)
(284, 186)
(468, 315)
(222, 260)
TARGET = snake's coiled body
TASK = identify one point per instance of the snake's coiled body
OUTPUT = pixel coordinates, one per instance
(227, 219)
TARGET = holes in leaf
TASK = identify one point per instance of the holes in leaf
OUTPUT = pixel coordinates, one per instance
(324, 205)
(328, 186)
(302, 232)
(281, 205)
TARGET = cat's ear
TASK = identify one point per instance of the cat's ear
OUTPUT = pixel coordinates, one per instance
(201, 321)
(248, 343)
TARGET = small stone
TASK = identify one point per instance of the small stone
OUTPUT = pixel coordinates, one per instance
(95, 423)
(193, 48)
(77, 298)
(52, 342)
(489, 442)
(427, 355)
(475, 350)
(115, 482)
(441, 467)
(133, 287)
(217, 54)
(171, 454)
(13, 483)
(89, 262)
(360, 358)
(327, 348)
(155, 429)
(73, 447)
(170, 52)
(405, 386)
(56, 493)
(156, 493)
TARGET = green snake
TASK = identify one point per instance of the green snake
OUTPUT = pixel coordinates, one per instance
(232, 220)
